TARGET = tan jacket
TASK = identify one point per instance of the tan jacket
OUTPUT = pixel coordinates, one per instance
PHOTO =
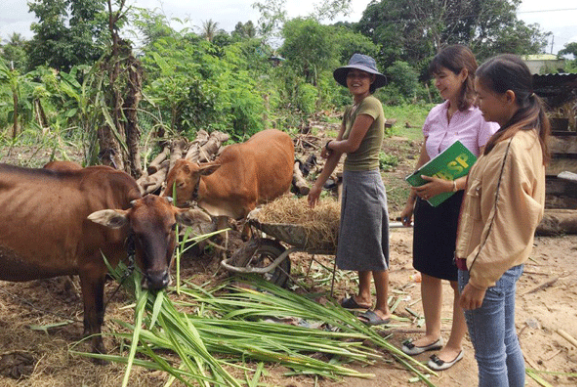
(494, 238)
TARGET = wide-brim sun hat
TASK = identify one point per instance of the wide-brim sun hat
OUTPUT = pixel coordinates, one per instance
(363, 63)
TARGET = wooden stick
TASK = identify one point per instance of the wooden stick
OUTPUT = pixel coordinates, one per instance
(567, 337)
(154, 165)
(535, 272)
(299, 181)
(544, 285)
(553, 355)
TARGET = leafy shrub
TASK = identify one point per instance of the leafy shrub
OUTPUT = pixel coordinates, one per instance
(387, 162)
(306, 98)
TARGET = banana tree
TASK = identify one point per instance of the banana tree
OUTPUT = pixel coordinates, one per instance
(15, 87)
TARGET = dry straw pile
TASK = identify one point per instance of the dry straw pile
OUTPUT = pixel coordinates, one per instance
(293, 221)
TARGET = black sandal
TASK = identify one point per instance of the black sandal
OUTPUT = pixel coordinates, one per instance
(351, 303)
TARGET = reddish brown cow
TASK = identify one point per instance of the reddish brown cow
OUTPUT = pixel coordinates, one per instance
(58, 165)
(243, 176)
(61, 223)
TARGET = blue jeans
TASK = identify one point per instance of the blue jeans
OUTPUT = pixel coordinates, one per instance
(492, 332)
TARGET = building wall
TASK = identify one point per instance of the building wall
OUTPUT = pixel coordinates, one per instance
(545, 66)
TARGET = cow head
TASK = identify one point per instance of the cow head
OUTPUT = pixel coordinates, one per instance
(183, 180)
(152, 221)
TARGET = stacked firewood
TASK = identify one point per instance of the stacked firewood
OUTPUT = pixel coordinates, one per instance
(203, 149)
(207, 147)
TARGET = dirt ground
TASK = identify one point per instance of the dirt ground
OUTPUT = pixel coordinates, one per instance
(36, 335)
(41, 358)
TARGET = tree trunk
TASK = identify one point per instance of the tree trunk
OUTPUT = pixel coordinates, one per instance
(120, 140)
(131, 101)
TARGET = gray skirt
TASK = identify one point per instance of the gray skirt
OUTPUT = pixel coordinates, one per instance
(363, 243)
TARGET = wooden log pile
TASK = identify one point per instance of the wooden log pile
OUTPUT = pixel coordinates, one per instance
(558, 222)
(206, 147)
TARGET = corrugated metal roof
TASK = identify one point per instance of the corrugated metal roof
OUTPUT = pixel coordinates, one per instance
(564, 76)
(556, 89)
(561, 82)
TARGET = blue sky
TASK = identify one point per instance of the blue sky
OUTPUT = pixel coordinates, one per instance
(557, 16)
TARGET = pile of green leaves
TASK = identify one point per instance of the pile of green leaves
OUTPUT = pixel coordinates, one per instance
(218, 330)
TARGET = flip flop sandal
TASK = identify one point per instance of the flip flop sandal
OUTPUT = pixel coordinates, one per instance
(370, 317)
(411, 349)
(350, 303)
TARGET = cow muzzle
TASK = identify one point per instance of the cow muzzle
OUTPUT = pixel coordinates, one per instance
(156, 280)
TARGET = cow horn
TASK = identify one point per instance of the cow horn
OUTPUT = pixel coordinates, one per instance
(169, 199)
(132, 203)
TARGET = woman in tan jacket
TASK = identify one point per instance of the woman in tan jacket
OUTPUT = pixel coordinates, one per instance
(504, 203)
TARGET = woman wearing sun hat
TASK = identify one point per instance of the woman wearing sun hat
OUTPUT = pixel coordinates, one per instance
(364, 230)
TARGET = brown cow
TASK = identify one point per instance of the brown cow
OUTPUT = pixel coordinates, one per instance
(61, 223)
(58, 165)
(243, 176)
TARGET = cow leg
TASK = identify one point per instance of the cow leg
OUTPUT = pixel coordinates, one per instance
(93, 296)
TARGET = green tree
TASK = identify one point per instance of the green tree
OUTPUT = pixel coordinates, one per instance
(321, 53)
(272, 17)
(329, 9)
(151, 25)
(415, 30)
(350, 42)
(403, 84)
(16, 88)
(14, 52)
(67, 33)
(244, 30)
(570, 49)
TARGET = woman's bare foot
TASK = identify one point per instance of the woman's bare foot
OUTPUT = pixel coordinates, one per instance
(449, 354)
(425, 341)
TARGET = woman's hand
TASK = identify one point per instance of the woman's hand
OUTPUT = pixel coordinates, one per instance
(434, 187)
(326, 153)
(314, 195)
(472, 297)
(407, 214)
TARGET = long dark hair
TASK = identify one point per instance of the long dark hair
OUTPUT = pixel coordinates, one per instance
(509, 72)
(456, 58)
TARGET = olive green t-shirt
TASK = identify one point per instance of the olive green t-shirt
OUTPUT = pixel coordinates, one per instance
(367, 156)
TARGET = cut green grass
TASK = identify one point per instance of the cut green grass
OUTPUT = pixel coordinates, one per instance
(213, 331)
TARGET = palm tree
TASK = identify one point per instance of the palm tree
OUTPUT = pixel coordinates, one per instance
(16, 39)
(209, 29)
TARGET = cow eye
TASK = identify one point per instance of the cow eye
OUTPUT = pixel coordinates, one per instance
(181, 184)
(173, 227)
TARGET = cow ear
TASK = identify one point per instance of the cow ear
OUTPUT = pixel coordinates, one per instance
(109, 218)
(191, 216)
(208, 169)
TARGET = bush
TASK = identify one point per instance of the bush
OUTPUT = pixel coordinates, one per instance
(306, 98)
(387, 162)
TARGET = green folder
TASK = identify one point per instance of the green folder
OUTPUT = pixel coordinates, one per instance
(454, 162)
